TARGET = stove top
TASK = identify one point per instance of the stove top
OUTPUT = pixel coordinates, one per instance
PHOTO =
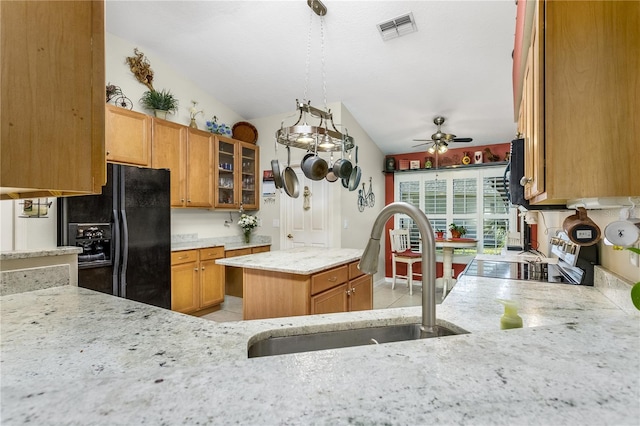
(524, 270)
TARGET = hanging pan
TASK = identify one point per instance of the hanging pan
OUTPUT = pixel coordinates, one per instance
(289, 178)
(354, 179)
(343, 167)
(275, 169)
(314, 167)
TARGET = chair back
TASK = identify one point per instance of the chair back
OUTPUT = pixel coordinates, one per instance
(399, 240)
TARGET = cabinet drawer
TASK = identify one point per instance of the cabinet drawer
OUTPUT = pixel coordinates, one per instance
(212, 253)
(327, 279)
(178, 257)
(239, 252)
(354, 272)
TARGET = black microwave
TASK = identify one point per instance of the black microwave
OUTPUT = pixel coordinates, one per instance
(514, 173)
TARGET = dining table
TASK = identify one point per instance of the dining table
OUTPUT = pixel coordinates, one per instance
(448, 245)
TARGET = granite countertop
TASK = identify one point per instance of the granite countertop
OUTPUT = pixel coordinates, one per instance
(215, 242)
(26, 254)
(71, 355)
(299, 260)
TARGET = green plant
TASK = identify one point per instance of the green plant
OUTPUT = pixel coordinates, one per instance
(162, 100)
(458, 229)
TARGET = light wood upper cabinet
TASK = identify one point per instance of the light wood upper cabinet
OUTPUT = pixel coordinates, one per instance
(52, 97)
(128, 137)
(200, 150)
(188, 154)
(169, 152)
(584, 136)
(236, 175)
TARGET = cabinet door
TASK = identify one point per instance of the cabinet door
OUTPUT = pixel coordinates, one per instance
(250, 182)
(361, 293)
(330, 301)
(226, 179)
(184, 287)
(128, 136)
(211, 277)
(169, 144)
(52, 98)
(200, 148)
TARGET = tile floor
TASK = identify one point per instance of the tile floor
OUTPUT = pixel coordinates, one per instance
(383, 297)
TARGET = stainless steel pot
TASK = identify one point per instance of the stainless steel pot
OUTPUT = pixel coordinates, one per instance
(314, 167)
(343, 167)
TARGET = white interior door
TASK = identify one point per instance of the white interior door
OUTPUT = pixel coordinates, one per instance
(306, 219)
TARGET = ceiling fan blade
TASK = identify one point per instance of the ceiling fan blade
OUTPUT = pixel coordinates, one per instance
(420, 144)
(462, 139)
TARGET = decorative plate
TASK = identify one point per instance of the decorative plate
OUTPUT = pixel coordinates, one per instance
(245, 132)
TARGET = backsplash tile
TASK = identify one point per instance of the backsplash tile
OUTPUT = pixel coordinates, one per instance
(615, 288)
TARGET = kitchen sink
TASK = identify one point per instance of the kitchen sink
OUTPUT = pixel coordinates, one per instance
(346, 338)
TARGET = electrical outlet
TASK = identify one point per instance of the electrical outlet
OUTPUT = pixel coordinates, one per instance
(633, 257)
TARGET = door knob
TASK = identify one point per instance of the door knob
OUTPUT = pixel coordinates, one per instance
(289, 236)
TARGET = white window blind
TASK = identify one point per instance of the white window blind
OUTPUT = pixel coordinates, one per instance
(474, 198)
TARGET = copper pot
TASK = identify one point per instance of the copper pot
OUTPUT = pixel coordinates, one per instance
(581, 229)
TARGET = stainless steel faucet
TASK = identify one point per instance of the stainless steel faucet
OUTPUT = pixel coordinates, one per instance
(369, 261)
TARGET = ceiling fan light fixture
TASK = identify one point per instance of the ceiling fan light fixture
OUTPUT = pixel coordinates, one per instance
(442, 148)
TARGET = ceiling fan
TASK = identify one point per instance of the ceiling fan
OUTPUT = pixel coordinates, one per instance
(439, 140)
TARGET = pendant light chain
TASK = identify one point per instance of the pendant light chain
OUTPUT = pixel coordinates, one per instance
(308, 62)
(324, 77)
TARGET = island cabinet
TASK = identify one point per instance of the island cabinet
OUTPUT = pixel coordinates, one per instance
(236, 175)
(341, 288)
(197, 283)
(233, 277)
(579, 104)
(52, 97)
(353, 293)
(188, 154)
(127, 136)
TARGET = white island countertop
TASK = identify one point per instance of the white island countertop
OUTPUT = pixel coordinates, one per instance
(300, 260)
(74, 356)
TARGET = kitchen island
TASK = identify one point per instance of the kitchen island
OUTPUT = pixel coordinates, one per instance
(74, 356)
(302, 281)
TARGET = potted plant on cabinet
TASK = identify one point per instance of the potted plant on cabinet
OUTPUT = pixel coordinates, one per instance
(160, 102)
(457, 231)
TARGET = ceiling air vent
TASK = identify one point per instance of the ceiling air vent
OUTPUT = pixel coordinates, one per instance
(397, 27)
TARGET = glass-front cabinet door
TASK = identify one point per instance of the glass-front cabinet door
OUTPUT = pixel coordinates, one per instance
(250, 180)
(236, 174)
(225, 174)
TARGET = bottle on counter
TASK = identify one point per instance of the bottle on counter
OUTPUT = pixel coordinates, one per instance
(510, 318)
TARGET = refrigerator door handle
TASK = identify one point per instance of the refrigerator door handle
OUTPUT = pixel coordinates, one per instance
(116, 254)
(125, 254)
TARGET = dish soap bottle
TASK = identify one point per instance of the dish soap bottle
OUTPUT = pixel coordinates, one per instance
(510, 318)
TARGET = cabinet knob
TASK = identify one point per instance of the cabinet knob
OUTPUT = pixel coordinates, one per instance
(195, 269)
(203, 268)
(348, 292)
(353, 290)
(525, 180)
(188, 201)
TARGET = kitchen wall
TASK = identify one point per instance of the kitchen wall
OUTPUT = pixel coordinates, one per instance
(18, 232)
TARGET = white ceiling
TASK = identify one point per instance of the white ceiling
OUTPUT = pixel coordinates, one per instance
(251, 56)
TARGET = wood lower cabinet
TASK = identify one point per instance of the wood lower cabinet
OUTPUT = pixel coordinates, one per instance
(233, 280)
(270, 294)
(52, 98)
(356, 294)
(580, 103)
(127, 136)
(197, 283)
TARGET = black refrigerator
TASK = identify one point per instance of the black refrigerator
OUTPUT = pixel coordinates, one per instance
(124, 233)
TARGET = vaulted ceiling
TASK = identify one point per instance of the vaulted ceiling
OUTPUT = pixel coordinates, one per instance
(252, 56)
